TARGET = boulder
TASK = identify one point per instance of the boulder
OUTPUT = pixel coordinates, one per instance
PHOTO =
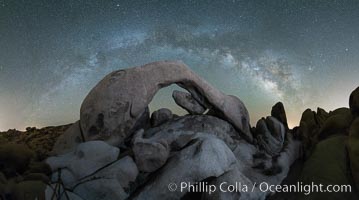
(278, 112)
(111, 182)
(354, 102)
(236, 178)
(143, 122)
(337, 123)
(258, 167)
(308, 117)
(67, 141)
(206, 156)
(309, 130)
(187, 102)
(353, 150)
(96, 174)
(29, 190)
(85, 159)
(15, 159)
(152, 148)
(328, 166)
(340, 111)
(177, 133)
(161, 116)
(112, 108)
(149, 155)
(66, 177)
(321, 116)
(270, 134)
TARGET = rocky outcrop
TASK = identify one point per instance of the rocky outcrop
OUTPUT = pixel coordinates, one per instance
(354, 102)
(328, 166)
(117, 151)
(41, 141)
(85, 158)
(167, 149)
(151, 148)
(254, 167)
(67, 141)
(278, 112)
(93, 171)
(149, 155)
(331, 137)
(310, 126)
(338, 122)
(353, 150)
(112, 182)
(270, 134)
(321, 116)
(177, 133)
(206, 157)
(112, 116)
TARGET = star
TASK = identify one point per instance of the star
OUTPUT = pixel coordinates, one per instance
(245, 48)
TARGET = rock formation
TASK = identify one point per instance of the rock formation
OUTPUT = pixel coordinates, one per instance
(354, 102)
(270, 134)
(68, 140)
(114, 106)
(119, 150)
(278, 112)
(164, 148)
(353, 150)
(187, 102)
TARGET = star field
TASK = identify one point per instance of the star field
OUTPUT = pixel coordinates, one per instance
(303, 53)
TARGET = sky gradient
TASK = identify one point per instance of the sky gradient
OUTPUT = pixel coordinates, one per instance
(303, 53)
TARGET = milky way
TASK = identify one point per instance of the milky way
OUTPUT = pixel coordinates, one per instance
(303, 53)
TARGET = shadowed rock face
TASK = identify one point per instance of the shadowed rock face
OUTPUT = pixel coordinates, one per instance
(206, 157)
(354, 102)
(270, 135)
(161, 116)
(278, 112)
(353, 150)
(114, 106)
(187, 102)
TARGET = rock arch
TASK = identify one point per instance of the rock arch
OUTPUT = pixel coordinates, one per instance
(114, 106)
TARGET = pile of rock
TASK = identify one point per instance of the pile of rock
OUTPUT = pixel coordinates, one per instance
(118, 151)
(331, 143)
(41, 141)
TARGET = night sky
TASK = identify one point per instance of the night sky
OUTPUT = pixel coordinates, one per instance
(52, 52)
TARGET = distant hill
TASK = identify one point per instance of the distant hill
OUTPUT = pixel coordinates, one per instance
(39, 140)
